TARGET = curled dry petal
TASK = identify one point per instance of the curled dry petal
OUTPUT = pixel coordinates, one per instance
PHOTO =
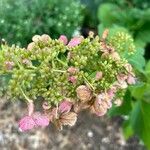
(109, 104)
(26, 61)
(99, 112)
(72, 79)
(100, 98)
(40, 119)
(53, 114)
(105, 34)
(46, 106)
(68, 118)
(121, 84)
(131, 80)
(75, 41)
(26, 123)
(111, 92)
(103, 98)
(101, 104)
(72, 70)
(30, 46)
(118, 102)
(9, 65)
(100, 108)
(36, 38)
(45, 38)
(84, 93)
(115, 56)
(58, 124)
(70, 55)
(105, 55)
(99, 75)
(128, 67)
(63, 39)
(78, 106)
(65, 106)
(121, 77)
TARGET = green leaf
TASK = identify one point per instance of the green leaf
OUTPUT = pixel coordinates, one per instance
(124, 109)
(138, 90)
(147, 71)
(140, 121)
(107, 14)
(134, 60)
(127, 129)
(143, 35)
(101, 29)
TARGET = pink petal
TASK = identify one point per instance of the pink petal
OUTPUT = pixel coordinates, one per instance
(40, 119)
(101, 113)
(109, 104)
(100, 98)
(111, 92)
(99, 75)
(65, 106)
(121, 77)
(64, 39)
(26, 123)
(30, 46)
(72, 79)
(131, 80)
(72, 70)
(75, 41)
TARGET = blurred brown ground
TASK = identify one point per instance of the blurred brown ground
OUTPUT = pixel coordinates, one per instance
(89, 133)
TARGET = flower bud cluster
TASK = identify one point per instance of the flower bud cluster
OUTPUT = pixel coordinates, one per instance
(123, 42)
(67, 76)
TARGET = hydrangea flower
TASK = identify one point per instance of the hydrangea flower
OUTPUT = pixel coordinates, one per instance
(67, 77)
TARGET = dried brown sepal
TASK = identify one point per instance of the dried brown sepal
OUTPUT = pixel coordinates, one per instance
(78, 107)
(84, 93)
(66, 119)
(115, 56)
(99, 75)
(36, 38)
(31, 46)
(46, 106)
(105, 34)
(45, 38)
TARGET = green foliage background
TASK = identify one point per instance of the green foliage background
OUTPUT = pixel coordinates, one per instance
(21, 19)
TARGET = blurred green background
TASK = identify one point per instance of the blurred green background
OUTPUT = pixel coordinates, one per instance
(21, 19)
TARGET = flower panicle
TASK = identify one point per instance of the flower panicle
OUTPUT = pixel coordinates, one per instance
(68, 75)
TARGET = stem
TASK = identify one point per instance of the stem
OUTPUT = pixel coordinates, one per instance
(17, 62)
(33, 67)
(26, 97)
(55, 70)
(53, 64)
(56, 110)
(88, 82)
(64, 64)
